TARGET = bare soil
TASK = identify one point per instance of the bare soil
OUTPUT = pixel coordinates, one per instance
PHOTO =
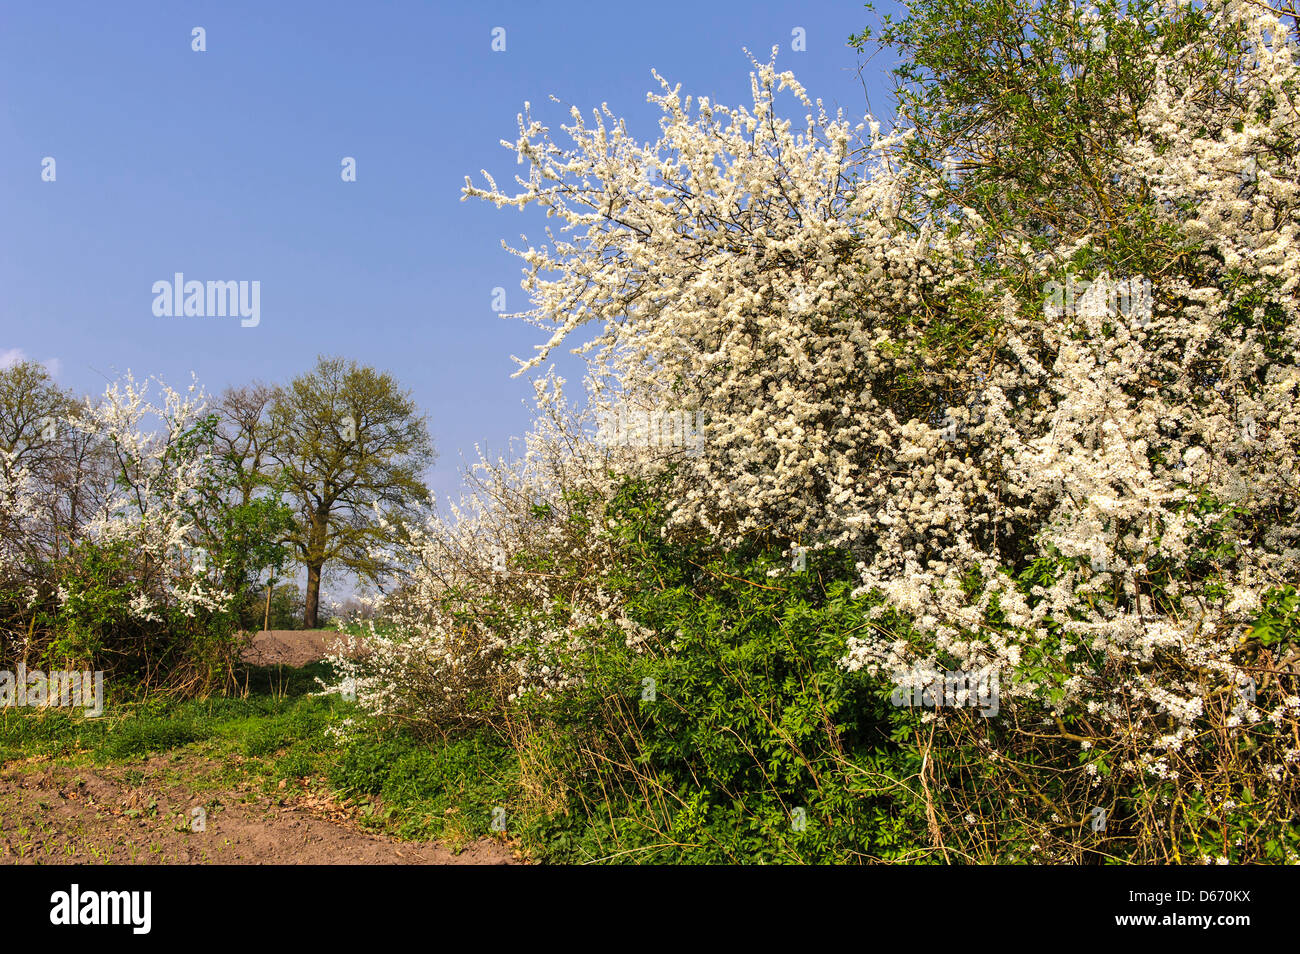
(291, 647)
(144, 812)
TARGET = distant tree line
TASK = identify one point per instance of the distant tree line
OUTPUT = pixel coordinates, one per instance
(144, 529)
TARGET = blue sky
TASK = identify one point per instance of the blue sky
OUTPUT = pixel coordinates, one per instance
(225, 165)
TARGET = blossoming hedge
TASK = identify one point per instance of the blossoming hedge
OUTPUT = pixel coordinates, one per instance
(919, 456)
(120, 548)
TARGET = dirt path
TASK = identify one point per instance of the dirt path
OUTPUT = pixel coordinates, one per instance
(144, 813)
(290, 647)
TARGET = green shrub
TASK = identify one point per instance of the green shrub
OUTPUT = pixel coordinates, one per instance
(734, 734)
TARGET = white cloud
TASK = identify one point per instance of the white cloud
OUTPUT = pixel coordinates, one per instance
(12, 356)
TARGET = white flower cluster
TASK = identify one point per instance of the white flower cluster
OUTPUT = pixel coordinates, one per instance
(19, 509)
(492, 599)
(1121, 452)
(140, 467)
(1129, 448)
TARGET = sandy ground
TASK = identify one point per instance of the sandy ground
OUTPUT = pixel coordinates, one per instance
(144, 813)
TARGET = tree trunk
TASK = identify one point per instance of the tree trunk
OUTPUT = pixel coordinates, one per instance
(310, 620)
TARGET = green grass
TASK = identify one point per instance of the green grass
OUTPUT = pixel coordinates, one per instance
(445, 789)
(354, 628)
(278, 710)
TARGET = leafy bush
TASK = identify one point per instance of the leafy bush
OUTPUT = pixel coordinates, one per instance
(726, 729)
(450, 788)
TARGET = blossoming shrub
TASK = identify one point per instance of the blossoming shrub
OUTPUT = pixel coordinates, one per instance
(485, 601)
(120, 551)
(1019, 374)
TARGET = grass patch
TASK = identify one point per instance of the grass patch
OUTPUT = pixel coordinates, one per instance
(449, 789)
